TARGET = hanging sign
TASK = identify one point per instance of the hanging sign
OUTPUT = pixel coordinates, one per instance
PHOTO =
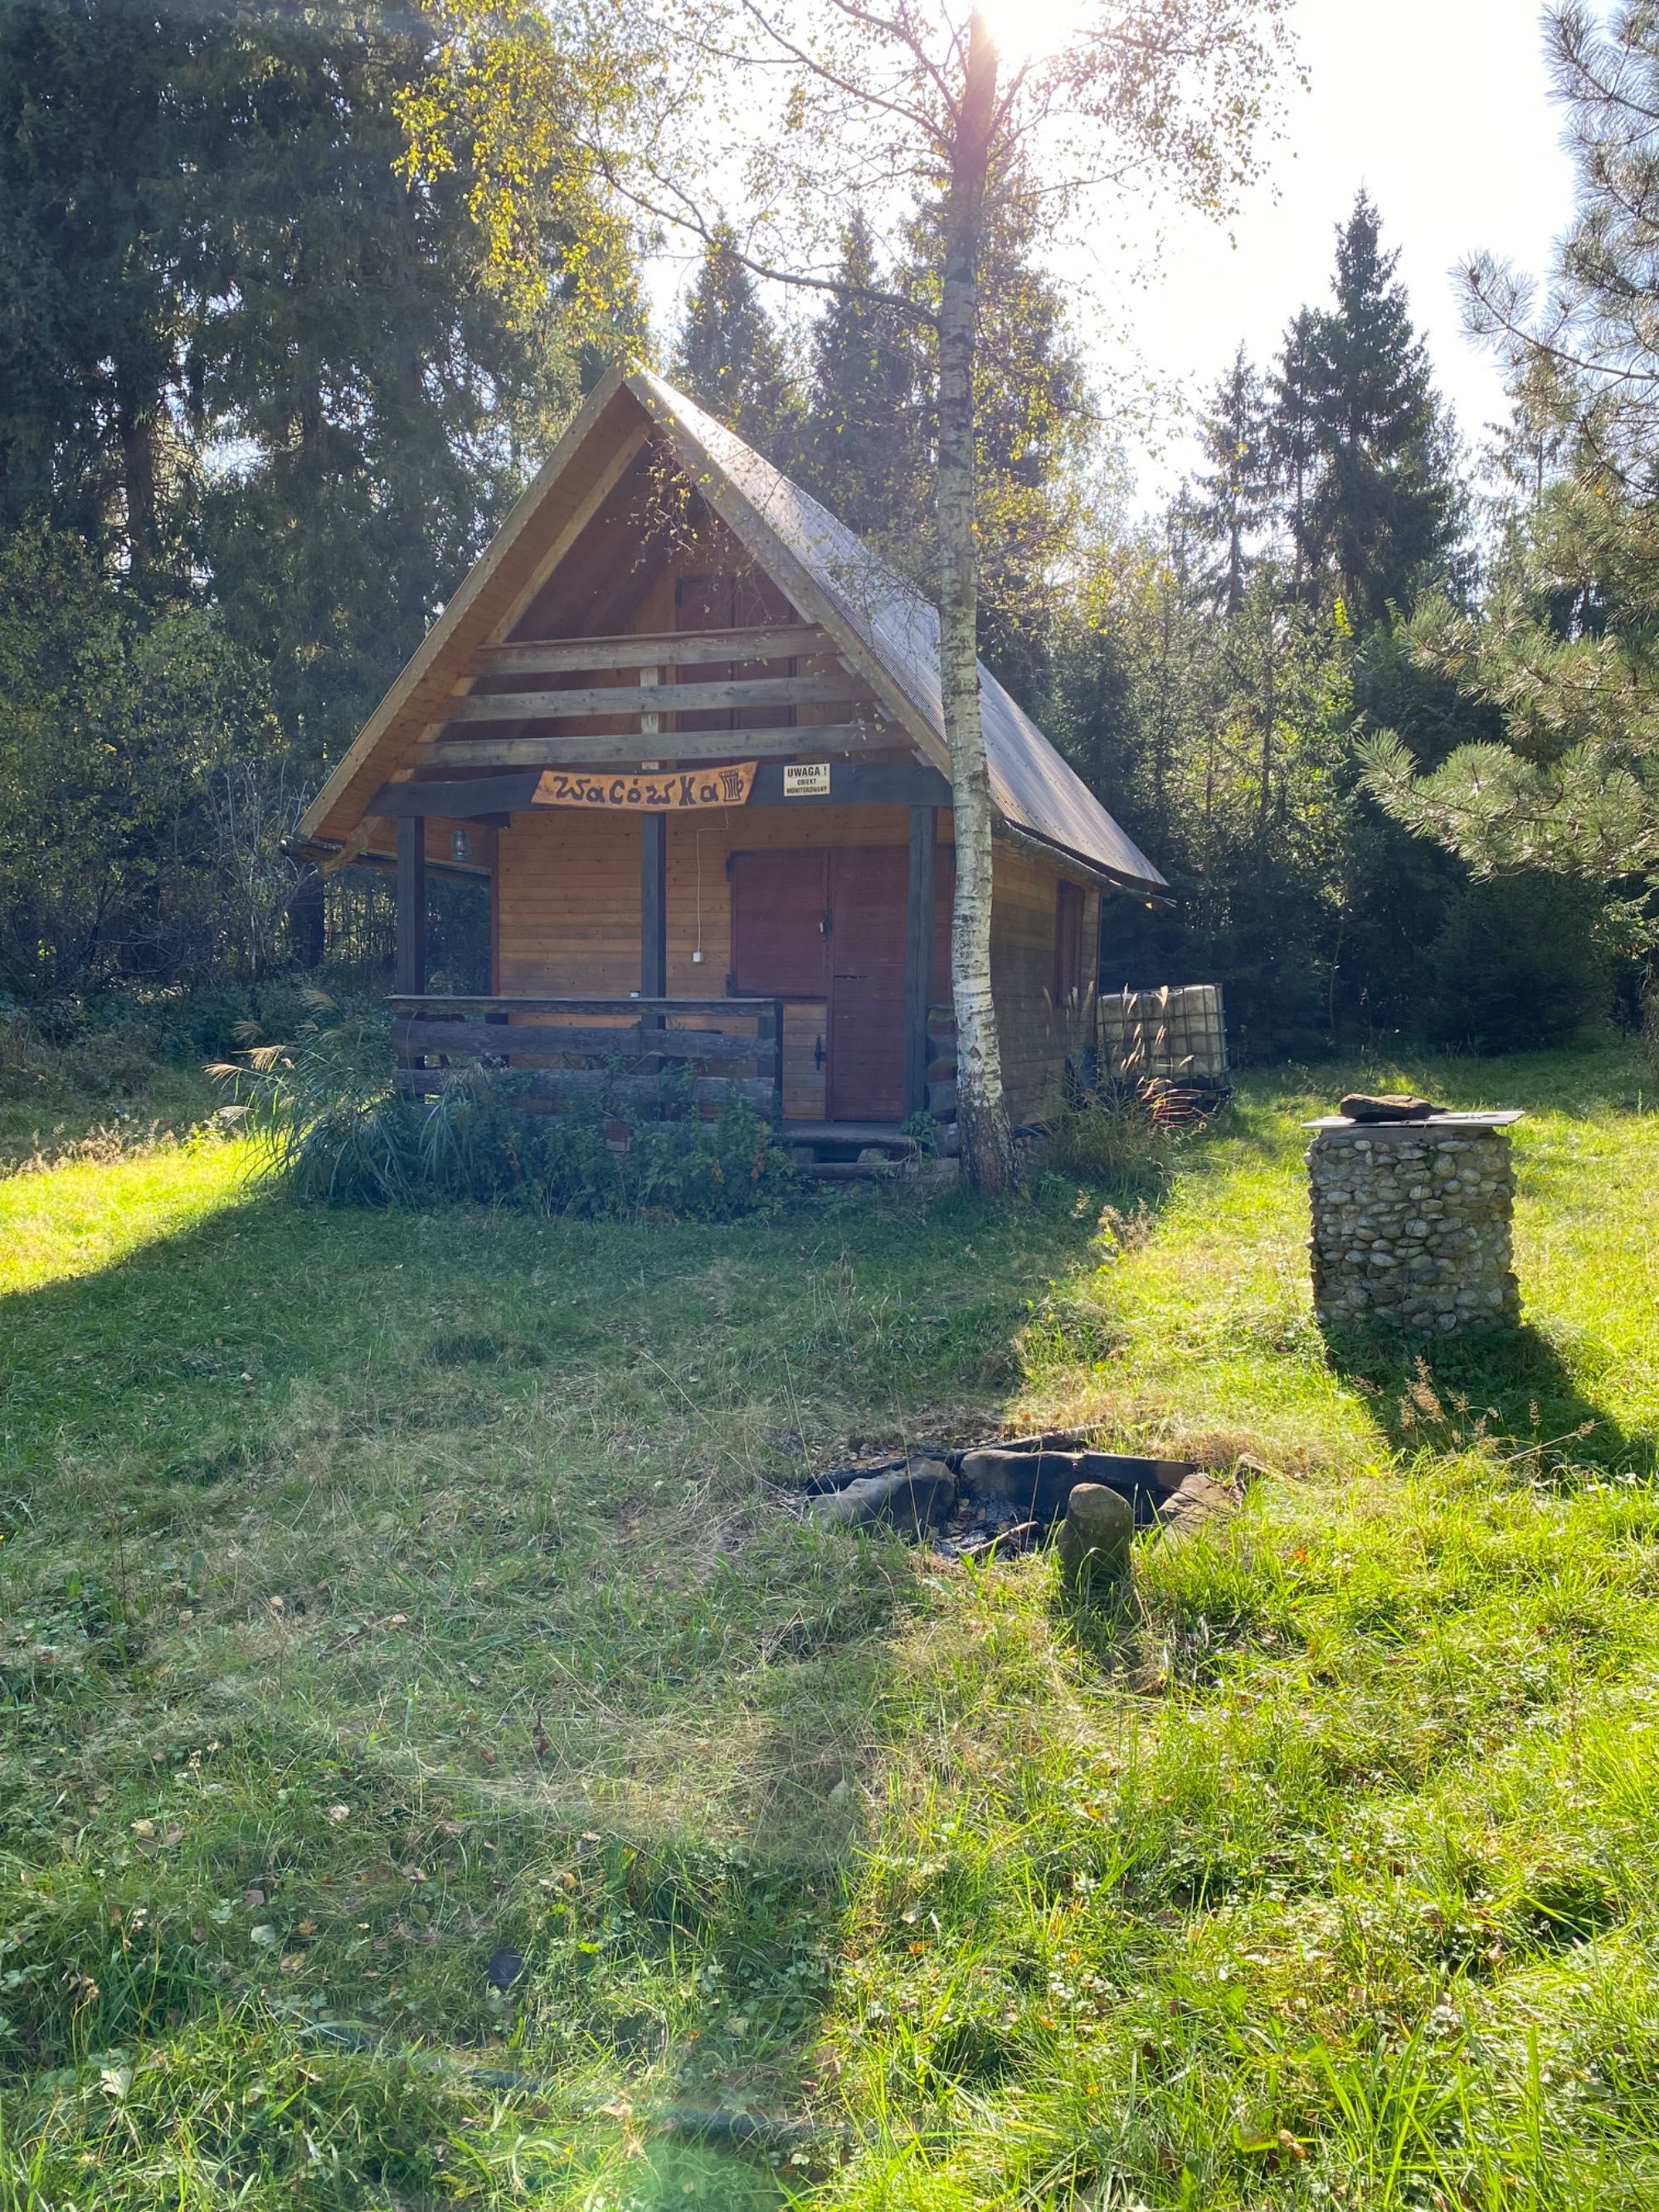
(634, 790)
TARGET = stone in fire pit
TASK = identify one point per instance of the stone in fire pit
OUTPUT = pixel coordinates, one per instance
(1412, 1220)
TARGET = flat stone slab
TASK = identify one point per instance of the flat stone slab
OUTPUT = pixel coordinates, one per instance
(1500, 1118)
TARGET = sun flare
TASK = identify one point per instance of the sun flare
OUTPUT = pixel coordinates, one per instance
(1030, 30)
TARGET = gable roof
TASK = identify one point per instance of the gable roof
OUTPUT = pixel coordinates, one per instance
(878, 623)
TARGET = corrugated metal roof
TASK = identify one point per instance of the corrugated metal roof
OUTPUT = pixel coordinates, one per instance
(1032, 786)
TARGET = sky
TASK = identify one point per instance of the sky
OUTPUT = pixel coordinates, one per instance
(1439, 108)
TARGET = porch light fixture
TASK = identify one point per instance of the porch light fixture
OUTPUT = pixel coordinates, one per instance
(461, 846)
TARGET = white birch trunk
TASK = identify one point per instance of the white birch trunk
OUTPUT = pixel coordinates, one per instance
(982, 1109)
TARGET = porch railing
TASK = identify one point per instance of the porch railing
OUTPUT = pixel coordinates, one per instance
(568, 1048)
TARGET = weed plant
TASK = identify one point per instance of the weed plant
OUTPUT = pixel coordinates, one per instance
(325, 1118)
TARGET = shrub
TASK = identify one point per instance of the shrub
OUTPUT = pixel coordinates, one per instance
(325, 1114)
(1516, 965)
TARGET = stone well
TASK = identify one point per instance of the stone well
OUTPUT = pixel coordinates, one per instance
(1412, 1222)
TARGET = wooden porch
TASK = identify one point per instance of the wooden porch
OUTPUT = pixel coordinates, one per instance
(569, 1048)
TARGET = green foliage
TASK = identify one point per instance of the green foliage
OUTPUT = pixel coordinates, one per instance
(1518, 965)
(1563, 652)
(325, 1118)
(141, 796)
(257, 414)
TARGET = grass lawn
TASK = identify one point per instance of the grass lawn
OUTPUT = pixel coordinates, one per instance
(379, 1594)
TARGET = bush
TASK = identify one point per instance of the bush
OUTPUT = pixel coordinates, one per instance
(325, 1114)
(1518, 965)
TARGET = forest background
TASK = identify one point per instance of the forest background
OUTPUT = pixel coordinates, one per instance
(260, 407)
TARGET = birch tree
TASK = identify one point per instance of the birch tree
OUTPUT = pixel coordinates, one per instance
(773, 121)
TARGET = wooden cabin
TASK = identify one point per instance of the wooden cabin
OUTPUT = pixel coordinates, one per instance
(688, 729)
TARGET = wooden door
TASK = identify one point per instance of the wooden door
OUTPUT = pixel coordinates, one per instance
(779, 915)
(866, 982)
(825, 932)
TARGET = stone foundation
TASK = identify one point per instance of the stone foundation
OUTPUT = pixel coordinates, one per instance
(1411, 1223)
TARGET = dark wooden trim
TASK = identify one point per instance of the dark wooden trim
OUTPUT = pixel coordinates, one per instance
(457, 801)
(856, 783)
(918, 954)
(629, 748)
(653, 906)
(493, 1040)
(564, 656)
(650, 699)
(438, 1005)
(411, 904)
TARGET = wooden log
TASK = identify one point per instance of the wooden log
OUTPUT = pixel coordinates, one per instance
(633, 1042)
(556, 1083)
(651, 699)
(653, 909)
(436, 1005)
(918, 954)
(411, 905)
(563, 656)
(629, 747)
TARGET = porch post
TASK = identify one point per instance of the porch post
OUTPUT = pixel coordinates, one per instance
(919, 956)
(653, 906)
(411, 904)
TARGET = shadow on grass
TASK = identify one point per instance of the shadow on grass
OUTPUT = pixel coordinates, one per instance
(191, 1390)
(1502, 1390)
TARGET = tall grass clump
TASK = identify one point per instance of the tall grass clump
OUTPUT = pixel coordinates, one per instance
(325, 1118)
(1114, 1134)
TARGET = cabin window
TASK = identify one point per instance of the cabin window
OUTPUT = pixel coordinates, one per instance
(1068, 943)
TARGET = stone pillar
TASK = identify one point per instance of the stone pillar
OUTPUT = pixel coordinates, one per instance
(1411, 1222)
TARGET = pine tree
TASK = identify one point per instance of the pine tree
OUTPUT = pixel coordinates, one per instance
(1232, 500)
(729, 357)
(863, 452)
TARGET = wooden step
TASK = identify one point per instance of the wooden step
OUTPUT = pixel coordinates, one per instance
(848, 1132)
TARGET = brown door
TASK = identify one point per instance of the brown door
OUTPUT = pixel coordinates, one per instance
(866, 982)
(830, 928)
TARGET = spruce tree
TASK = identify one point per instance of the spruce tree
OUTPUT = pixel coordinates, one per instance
(728, 355)
(1376, 508)
(863, 453)
(1232, 495)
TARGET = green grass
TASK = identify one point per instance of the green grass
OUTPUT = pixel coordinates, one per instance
(379, 1592)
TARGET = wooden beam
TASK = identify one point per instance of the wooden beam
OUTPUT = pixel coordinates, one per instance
(457, 801)
(653, 909)
(650, 699)
(677, 746)
(854, 783)
(918, 954)
(563, 656)
(411, 904)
